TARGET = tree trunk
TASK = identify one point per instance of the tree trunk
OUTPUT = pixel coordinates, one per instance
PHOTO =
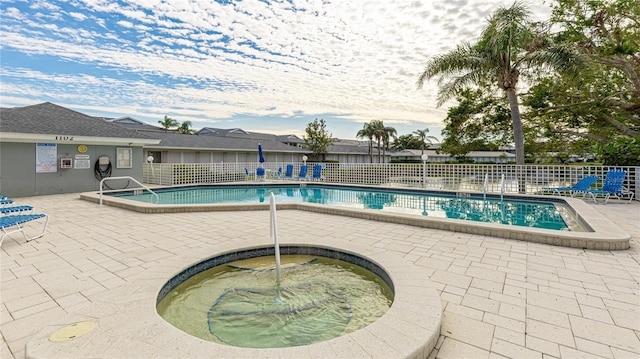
(518, 137)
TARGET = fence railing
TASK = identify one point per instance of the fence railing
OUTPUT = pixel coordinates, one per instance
(517, 179)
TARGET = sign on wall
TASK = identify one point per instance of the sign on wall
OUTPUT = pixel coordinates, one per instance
(82, 161)
(46, 157)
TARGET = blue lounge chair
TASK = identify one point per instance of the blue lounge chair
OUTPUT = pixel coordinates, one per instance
(288, 174)
(316, 175)
(14, 223)
(249, 175)
(581, 185)
(5, 201)
(15, 209)
(303, 172)
(278, 174)
(613, 186)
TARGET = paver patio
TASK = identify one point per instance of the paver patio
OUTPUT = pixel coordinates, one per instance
(501, 298)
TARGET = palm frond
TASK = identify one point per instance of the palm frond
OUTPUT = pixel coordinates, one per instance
(455, 85)
(463, 57)
(560, 58)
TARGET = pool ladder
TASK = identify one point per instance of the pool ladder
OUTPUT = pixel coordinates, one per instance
(485, 187)
(130, 179)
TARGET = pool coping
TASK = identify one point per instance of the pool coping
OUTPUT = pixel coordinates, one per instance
(409, 329)
(604, 234)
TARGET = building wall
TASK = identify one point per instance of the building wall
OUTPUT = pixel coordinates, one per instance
(18, 177)
(217, 156)
(223, 157)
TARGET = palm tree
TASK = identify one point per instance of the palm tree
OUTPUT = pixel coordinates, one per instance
(167, 123)
(378, 134)
(423, 138)
(389, 133)
(185, 128)
(367, 132)
(507, 47)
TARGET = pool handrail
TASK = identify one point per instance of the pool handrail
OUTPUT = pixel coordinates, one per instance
(127, 178)
(485, 186)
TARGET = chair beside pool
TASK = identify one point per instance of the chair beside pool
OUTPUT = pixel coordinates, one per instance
(260, 174)
(14, 223)
(584, 184)
(277, 175)
(5, 201)
(288, 174)
(7, 206)
(316, 175)
(16, 209)
(303, 172)
(613, 186)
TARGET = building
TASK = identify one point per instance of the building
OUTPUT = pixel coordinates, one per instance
(49, 149)
(498, 157)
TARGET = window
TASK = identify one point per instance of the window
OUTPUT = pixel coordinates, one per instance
(123, 156)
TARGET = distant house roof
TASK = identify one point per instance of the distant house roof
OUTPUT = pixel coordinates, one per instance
(222, 131)
(350, 147)
(340, 141)
(290, 139)
(240, 133)
(50, 122)
(218, 143)
(133, 124)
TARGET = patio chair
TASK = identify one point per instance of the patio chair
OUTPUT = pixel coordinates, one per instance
(613, 186)
(247, 174)
(288, 173)
(15, 209)
(14, 223)
(5, 201)
(303, 172)
(277, 175)
(316, 175)
(581, 185)
(260, 173)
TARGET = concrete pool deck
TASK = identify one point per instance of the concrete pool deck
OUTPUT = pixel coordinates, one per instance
(500, 297)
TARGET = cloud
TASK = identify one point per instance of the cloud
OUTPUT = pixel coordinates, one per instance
(213, 60)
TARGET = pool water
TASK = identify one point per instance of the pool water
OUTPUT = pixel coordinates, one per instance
(516, 212)
(240, 303)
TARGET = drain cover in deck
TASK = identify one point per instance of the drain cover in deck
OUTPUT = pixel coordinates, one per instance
(72, 331)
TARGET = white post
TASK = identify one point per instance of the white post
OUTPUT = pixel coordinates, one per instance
(274, 234)
(425, 158)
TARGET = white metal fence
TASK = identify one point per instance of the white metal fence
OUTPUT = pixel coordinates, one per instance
(528, 178)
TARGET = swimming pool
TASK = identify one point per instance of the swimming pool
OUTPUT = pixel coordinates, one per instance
(461, 206)
(579, 226)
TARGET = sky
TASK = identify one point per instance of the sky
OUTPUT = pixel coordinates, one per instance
(269, 66)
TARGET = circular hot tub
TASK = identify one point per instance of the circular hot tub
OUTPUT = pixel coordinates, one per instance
(319, 294)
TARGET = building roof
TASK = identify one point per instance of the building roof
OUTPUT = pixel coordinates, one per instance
(290, 139)
(341, 148)
(218, 143)
(235, 132)
(133, 124)
(50, 119)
